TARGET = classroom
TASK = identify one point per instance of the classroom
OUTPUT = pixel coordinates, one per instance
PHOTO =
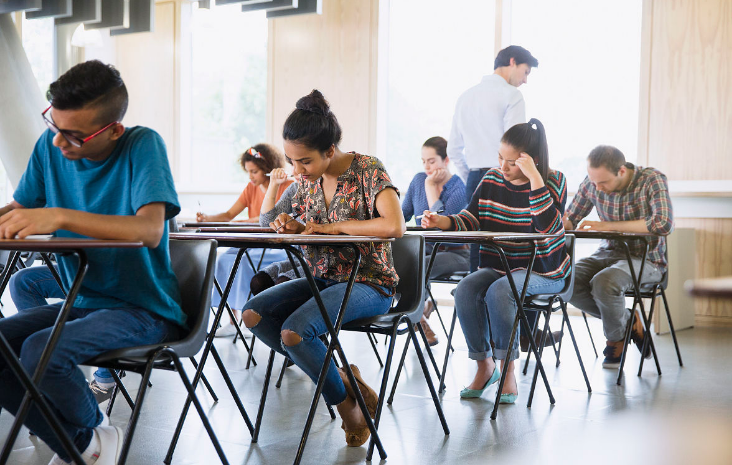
(464, 232)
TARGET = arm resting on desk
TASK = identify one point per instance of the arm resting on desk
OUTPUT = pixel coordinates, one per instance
(390, 222)
(147, 225)
(635, 226)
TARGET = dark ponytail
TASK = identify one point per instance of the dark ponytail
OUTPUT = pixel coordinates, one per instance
(530, 138)
(312, 124)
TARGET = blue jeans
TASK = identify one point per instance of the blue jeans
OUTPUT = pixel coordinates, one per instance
(30, 287)
(239, 293)
(290, 306)
(87, 333)
(486, 308)
(473, 181)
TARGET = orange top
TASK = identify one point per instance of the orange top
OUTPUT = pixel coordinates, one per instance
(253, 196)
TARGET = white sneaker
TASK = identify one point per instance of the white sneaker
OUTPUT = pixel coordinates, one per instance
(110, 444)
(226, 330)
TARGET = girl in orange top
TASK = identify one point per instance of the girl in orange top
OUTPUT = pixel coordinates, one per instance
(258, 161)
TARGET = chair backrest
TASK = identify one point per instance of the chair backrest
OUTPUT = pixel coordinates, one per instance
(194, 262)
(408, 254)
(568, 289)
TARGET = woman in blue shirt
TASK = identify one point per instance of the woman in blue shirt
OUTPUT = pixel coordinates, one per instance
(436, 189)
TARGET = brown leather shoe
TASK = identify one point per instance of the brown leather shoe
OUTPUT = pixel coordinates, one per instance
(428, 308)
(356, 437)
(637, 334)
(431, 336)
(369, 395)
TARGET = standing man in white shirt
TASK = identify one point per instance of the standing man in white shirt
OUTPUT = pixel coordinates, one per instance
(482, 114)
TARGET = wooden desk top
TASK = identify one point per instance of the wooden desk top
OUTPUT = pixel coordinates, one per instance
(258, 229)
(713, 287)
(63, 244)
(220, 224)
(590, 234)
(231, 239)
(462, 237)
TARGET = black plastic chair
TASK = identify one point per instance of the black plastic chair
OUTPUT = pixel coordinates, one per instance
(408, 253)
(546, 304)
(193, 262)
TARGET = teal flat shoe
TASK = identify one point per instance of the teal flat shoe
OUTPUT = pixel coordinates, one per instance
(474, 393)
(508, 398)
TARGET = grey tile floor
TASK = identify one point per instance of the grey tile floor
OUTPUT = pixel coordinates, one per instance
(681, 417)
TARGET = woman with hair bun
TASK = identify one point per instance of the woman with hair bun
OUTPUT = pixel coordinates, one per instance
(340, 193)
(521, 195)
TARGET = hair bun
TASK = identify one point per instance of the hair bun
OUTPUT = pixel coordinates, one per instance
(314, 102)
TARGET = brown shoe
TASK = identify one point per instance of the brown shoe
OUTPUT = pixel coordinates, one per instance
(637, 334)
(524, 341)
(431, 336)
(613, 351)
(356, 437)
(369, 395)
(428, 308)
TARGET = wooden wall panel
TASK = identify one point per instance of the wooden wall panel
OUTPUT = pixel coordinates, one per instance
(690, 127)
(334, 52)
(147, 63)
(713, 258)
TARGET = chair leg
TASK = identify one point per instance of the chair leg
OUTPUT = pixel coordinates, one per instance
(671, 327)
(441, 387)
(533, 334)
(132, 425)
(565, 318)
(592, 340)
(250, 354)
(205, 381)
(232, 389)
(561, 331)
(199, 408)
(428, 378)
(282, 373)
(376, 352)
(118, 385)
(439, 315)
(398, 372)
(648, 338)
(626, 341)
(263, 398)
(429, 352)
(541, 352)
(382, 389)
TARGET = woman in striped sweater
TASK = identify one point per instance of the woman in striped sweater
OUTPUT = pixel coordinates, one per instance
(521, 195)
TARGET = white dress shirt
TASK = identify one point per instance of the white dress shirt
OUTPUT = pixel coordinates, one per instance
(482, 114)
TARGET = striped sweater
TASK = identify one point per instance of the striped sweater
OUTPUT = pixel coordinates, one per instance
(498, 205)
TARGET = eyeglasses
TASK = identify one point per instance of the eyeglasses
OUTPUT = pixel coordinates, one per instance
(73, 140)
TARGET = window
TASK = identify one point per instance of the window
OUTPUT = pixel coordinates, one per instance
(437, 50)
(586, 88)
(228, 95)
(38, 42)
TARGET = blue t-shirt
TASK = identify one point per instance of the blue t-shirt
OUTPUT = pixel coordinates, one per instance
(134, 175)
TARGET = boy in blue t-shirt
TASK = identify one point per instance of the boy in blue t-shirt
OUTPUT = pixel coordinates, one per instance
(89, 176)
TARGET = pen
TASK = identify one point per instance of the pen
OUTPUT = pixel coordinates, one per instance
(438, 211)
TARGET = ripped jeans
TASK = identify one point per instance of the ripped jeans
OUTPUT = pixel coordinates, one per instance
(291, 306)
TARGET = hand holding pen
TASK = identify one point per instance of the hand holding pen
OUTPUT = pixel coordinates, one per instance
(286, 224)
(431, 219)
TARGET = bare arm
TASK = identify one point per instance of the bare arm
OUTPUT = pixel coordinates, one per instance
(9, 207)
(147, 225)
(390, 223)
(634, 226)
(228, 215)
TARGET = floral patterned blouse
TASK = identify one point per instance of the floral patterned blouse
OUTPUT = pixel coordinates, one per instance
(354, 199)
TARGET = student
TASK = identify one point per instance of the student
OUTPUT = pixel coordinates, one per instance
(627, 198)
(89, 176)
(357, 195)
(522, 195)
(483, 114)
(436, 189)
(257, 161)
(29, 288)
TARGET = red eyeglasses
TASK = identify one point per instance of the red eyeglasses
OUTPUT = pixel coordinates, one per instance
(73, 140)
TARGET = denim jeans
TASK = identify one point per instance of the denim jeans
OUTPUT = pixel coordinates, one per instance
(600, 282)
(239, 293)
(290, 306)
(87, 333)
(473, 181)
(30, 287)
(487, 308)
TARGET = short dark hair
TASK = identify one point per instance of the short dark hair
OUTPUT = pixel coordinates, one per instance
(265, 156)
(439, 144)
(519, 54)
(312, 124)
(607, 156)
(530, 138)
(91, 84)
